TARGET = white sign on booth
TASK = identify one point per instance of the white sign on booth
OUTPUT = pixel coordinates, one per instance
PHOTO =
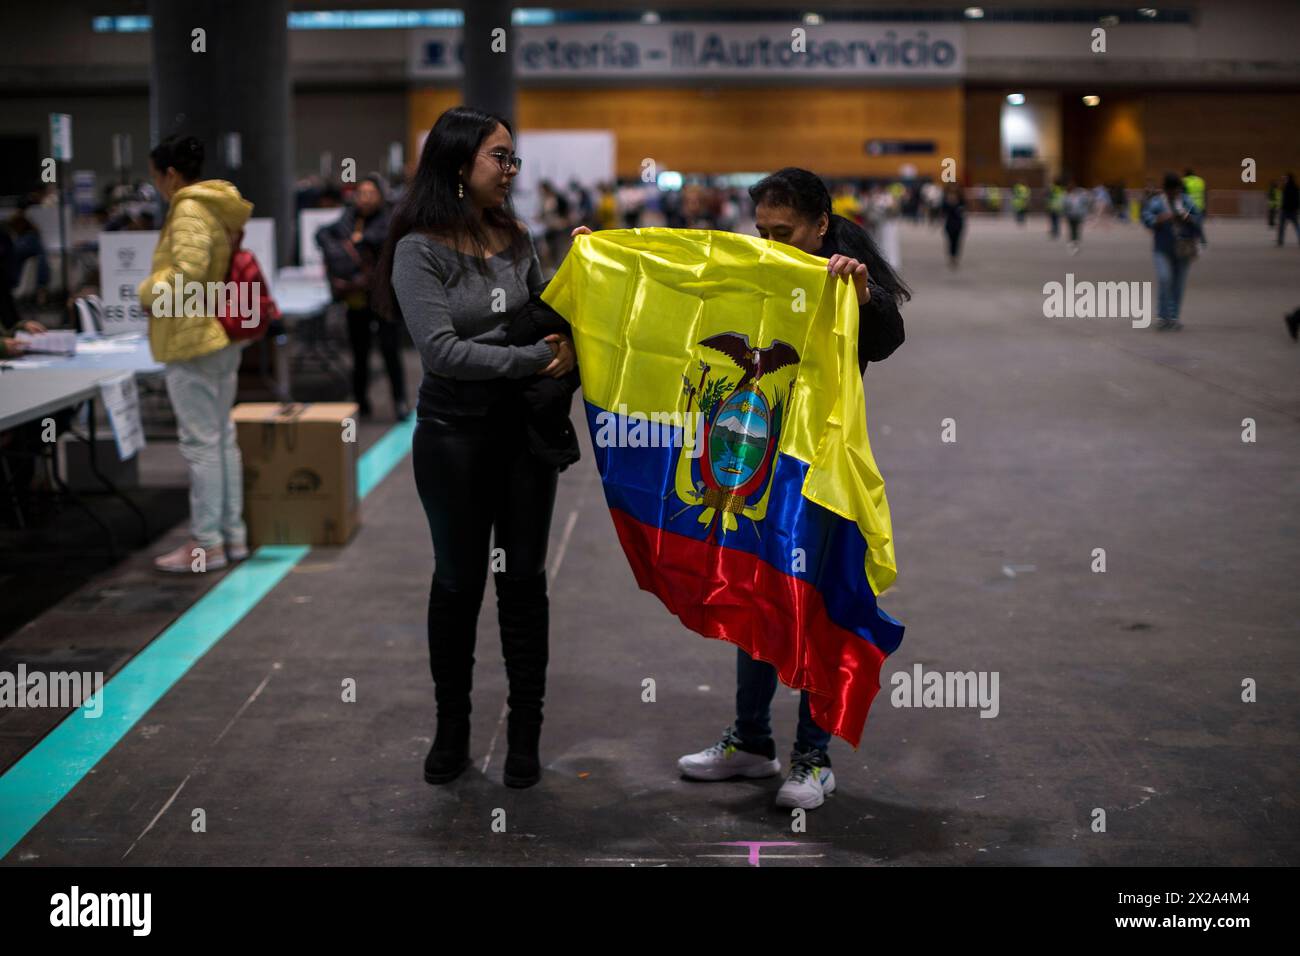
(259, 239)
(122, 402)
(310, 220)
(125, 260)
(586, 155)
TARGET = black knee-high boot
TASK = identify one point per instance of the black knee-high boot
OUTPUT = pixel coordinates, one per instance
(523, 610)
(453, 619)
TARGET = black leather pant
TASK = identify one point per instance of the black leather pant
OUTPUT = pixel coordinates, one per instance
(482, 489)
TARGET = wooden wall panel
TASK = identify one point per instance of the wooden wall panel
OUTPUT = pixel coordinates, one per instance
(1134, 136)
(748, 129)
(1106, 143)
(983, 134)
(1214, 132)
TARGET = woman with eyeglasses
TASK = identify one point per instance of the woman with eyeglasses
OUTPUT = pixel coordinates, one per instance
(455, 266)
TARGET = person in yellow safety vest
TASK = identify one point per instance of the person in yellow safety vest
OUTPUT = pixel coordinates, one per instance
(900, 194)
(845, 203)
(607, 207)
(1274, 202)
(1055, 204)
(1020, 201)
(1194, 187)
(993, 196)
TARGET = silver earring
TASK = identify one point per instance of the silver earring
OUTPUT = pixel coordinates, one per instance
(460, 190)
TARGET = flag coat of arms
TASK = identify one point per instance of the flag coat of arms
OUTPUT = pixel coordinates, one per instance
(721, 386)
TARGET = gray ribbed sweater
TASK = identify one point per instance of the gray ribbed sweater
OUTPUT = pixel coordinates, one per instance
(459, 317)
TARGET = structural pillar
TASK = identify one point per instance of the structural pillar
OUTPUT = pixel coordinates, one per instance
(488, 77)
(231, 78)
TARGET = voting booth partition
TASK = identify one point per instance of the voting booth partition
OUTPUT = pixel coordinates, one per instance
(126, 260)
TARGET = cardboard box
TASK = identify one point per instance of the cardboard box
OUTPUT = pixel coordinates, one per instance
(300, 476)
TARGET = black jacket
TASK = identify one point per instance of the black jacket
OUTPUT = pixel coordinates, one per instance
(545, 400)
(1290, 198)
(351, 266)
(880, 324)
(540, 402)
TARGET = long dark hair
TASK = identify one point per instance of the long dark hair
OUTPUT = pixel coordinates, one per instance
(182, 153)
(806, 194)
(431, 204)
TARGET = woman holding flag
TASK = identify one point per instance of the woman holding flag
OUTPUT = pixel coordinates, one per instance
(456, 265)
(793, 206)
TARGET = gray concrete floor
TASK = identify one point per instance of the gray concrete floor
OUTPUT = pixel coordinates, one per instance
(1119, 691)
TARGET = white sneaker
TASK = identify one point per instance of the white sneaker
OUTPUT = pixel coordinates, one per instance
(725, 759)
(808, 785)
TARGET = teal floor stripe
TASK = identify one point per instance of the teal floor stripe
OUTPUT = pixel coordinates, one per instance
(383, 455)
(34, 785)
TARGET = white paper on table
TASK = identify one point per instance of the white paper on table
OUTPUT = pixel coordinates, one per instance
(108, 346)
(49, 343)
(26, 362)
(122, 401)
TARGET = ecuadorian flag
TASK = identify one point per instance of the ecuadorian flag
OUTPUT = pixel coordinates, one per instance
(722, 390)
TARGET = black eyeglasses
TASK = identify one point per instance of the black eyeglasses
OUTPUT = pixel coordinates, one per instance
(506, 160)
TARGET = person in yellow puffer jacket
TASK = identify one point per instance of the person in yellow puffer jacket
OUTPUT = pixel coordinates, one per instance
(202, 364)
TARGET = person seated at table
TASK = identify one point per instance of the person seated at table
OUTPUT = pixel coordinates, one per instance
(18, 445)
(10, 320)
(27, 244)
(12, 347)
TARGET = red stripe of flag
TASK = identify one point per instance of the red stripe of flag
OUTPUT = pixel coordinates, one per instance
(737, 597)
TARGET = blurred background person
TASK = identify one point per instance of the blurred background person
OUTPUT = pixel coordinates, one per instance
(1194, 189)
(1075, 206)
(845, 202)
(1289, 211)
(28, 246)
(954, 221)
(607, 208)
(882, 215)
(10, 320)
(993, 199)
(555, 222)
(729, 210)
(631, 202)
(581, 205)
(1101, 204)
(932, 196)
(1055, 207)
(351, 246)
(1020, 202)
(1176, 225)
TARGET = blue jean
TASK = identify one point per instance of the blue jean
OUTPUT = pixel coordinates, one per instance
(1171, 277)
(756, 683)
